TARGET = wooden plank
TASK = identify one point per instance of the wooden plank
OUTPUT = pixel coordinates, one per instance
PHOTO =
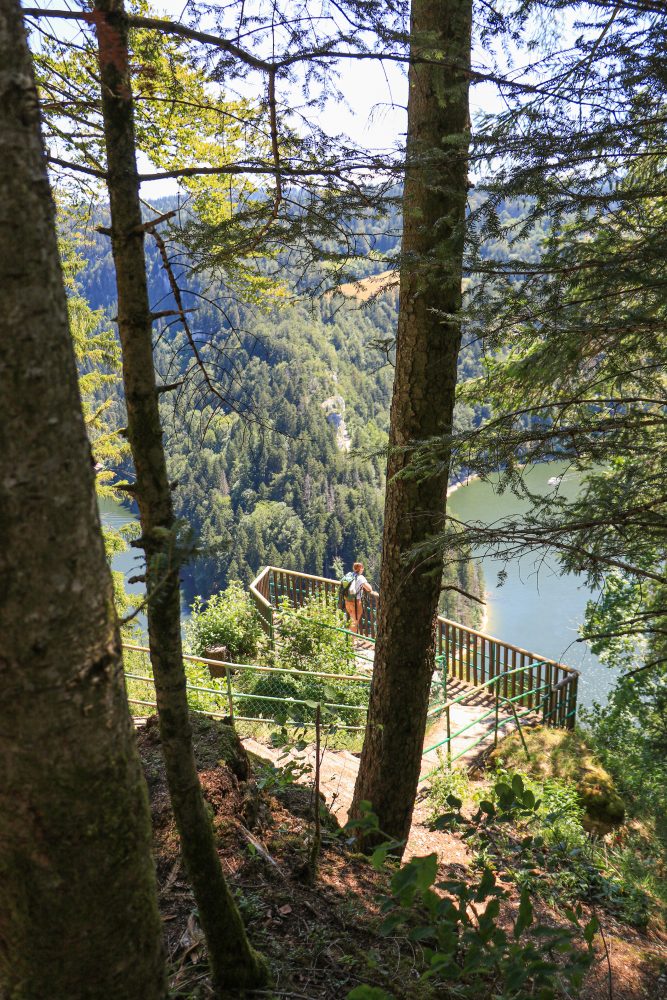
(531, 685)
(475, 663)
(574, 687)
(462, 655)
(522, 675)
(564, 699)
(455, 652)
(538, 683)
(446, 627)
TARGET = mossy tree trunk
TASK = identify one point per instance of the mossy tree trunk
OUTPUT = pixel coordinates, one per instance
(232, 959)
(428, 341)
(78, 902)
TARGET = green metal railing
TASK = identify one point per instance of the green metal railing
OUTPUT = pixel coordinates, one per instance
(543, 695)
(464, 654)
(523, 684)
(223, 701)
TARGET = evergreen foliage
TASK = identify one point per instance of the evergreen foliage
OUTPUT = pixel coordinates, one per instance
(266, 479)
(571, 297)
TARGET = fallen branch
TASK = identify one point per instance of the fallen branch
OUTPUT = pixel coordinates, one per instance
(261, 850)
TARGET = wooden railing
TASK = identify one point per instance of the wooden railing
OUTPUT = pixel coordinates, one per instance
(475, 658)
(528, 680)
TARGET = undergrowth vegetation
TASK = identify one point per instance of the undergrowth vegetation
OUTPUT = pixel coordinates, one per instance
(311, 661)
(629, 735)
(545, 849)
(475, 938)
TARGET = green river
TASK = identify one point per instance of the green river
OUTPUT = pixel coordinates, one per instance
(536, 608)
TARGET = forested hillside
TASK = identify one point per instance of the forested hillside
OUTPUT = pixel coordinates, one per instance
(289, 468)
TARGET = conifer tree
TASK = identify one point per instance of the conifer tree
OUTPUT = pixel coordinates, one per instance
(78, 905)
(573, 308)
(233, 961)
(429, 335)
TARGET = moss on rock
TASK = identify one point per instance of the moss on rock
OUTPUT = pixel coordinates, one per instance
(213, 740)
(564, 754)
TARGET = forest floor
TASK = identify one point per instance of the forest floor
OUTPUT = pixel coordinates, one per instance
(323, 940)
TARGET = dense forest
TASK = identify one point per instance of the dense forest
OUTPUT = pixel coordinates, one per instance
(288, 469)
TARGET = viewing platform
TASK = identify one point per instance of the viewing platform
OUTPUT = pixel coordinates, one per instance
(482, 688)
(476, 662)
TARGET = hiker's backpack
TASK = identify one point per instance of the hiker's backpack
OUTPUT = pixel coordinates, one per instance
(345, 585)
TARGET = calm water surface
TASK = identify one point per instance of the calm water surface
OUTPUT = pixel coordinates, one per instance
(130, 562)
(536, 608)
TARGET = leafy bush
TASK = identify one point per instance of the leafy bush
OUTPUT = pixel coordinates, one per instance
(567, 755)
(541, 845)
(227, 619)
(314, 637)
(627, 735)
(308, 639)
(446, 781)
(466, 947)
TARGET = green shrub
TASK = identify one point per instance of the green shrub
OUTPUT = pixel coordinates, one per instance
(467, 949)
(227, 619)
(271, 685)
(567, 755)
(546, 849)
(309, 639)
(446, 781)
(138, 664)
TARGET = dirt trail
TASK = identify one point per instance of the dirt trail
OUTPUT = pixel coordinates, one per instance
(338, 768)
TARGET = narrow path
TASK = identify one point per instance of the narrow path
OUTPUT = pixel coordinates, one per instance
(338, 768)
(466, 745)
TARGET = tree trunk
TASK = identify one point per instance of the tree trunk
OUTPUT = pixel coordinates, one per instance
(428, 340)
(78, 903)
(233, 961)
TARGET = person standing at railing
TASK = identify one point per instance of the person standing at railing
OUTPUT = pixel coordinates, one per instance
(352, 588)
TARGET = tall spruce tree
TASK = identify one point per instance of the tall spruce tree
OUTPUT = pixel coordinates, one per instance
(78, 905)
(429, 336)
(233, 961)
(573, 308)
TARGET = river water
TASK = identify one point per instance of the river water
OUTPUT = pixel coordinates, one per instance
(535, 608)
(130, 562)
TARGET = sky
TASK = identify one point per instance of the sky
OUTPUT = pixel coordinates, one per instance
(372, 113)
(373, 109)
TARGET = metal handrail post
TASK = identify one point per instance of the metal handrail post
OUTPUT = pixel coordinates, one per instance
(518, 725)
(229, 693)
